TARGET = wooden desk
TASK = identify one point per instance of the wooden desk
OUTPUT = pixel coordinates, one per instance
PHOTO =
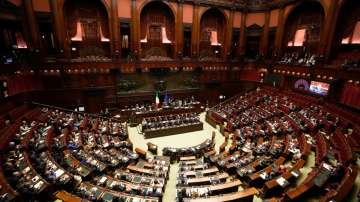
(140, 170)
(287, 175)
(246, 195)
(226, 185)
(209, 153)
(305, 147)
(103, 194)
(129, 186)
(137, 178)
(140, 152)
(298, 191)
(213, 118)
(172, 130)
(150, 172)
(309, 182)
(189, 163)
(223, 146)
(6, 187)
(203, 172)
(67, 197)
(251, 166)
(257, 175)
(74, 163)
(152, 147)
(274, 200)
(139, 115)
(218, 188)
(187, 158)
(201, 180)
(194, 167)
(267, 170)
(146, 164)
(344, 187)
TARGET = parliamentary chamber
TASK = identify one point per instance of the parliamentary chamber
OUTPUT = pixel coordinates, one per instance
(268, 92)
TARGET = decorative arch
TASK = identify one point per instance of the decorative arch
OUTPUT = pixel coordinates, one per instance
(300, 3)
(302, 84)
(347, 21)
(213, 23)
(157, 29)
(201, 13)
(87, 26)
(346, 37)
(104, 2)
(305, 25)
(146, 2)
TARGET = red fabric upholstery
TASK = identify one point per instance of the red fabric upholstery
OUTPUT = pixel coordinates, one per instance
(351, 96)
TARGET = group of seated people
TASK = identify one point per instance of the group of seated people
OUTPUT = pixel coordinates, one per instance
(17, 166)
(295, 58)
(91, 58)
(176, 153)
(169, 121)
(200, 180)
(273, 135)
(141, 108)
(268, 153)
(156, 58)
(351, 64)
(70, 154)
(138, 183)
(159, 166)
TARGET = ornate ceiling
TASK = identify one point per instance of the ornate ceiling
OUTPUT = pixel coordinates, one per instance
(248, 5)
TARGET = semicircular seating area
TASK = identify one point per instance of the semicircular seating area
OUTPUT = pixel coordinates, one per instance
(278, 146)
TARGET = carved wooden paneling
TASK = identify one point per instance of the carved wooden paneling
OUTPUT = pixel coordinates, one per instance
(94, 21)
(153, 18)
(212, 20)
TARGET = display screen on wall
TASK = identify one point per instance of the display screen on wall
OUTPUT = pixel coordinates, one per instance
(320, 88)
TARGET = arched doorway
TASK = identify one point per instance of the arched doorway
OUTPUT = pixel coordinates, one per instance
(87, 29)
(253, 38)
(346, 43)
(157, 31)
(212, 34)
(303, 29)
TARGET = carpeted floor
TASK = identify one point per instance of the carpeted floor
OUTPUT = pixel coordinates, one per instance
(195, 138)
(176, 141)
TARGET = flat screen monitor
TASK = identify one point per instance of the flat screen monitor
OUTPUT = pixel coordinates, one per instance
(8, 61)
(81, 109)
(320, 88)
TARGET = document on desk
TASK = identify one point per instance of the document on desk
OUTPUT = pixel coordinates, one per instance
(327, 166)
(282, 181)
(58, 173)
(27, 169)
(103, 179)
(38, 185)
(263, 175)
(295, 173)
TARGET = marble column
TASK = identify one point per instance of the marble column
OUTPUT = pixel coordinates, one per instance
(229, 34)
(179, 32)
